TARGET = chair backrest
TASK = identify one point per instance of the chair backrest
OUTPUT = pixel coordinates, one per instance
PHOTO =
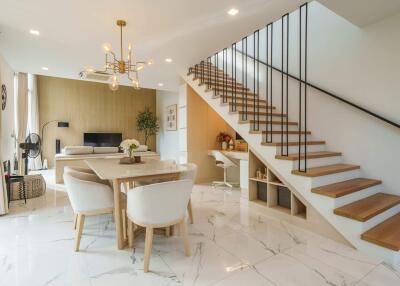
(219, 156)
(159, 204)
(190, 173)
(84, 174)
(86, 195)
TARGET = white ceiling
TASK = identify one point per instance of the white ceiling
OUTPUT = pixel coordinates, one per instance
(72, 32)
(363, 12)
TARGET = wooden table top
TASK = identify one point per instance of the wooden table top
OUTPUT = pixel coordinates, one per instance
(111, 169)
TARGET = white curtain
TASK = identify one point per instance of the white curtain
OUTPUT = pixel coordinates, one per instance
(22, 115)
(33, 117)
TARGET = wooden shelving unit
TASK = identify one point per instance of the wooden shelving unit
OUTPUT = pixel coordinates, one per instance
(270, 192)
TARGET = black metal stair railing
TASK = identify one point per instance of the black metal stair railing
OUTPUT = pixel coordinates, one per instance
(236, 90)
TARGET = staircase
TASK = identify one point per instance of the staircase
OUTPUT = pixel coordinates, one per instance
(356, 206)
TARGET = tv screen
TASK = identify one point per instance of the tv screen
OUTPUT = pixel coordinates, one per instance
(102, 139)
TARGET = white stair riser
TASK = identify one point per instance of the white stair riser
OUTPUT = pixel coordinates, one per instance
(356, 196)
(380, 218)
(311, 163)
(334, 178)
(263, 127)
(310, 148)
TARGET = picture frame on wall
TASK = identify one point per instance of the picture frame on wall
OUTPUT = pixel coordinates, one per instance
(171, 122)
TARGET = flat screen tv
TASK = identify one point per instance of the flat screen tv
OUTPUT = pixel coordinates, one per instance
(102, 139)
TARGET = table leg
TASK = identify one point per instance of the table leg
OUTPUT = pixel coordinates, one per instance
(118, 214)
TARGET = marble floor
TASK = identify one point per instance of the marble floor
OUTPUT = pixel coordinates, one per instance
(230, 244)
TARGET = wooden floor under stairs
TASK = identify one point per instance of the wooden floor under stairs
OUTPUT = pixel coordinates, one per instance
(385, 234)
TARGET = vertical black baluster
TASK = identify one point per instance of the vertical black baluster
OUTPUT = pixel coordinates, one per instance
(243, 114)
(215, 75)
(305, 90)
(223, 76)
(258, 80)
(287, 85)
(267, 80)
(202, 72)
(282, 91)
(233, 67)
(226, 75)
(300, 79)
(209, 86)
(254, 79)
(235, 78)
(271, 93)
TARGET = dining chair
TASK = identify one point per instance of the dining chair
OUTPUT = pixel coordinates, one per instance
(190, 174)
(87, 198)
(158, 206)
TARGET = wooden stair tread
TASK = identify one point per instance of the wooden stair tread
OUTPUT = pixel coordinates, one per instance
(369, 207)
(265, 122)
(284, 132)
(290, 132)
(386, 234)
(239, 98)
(262, 113)
(326, 170)
(310, 155)
(341, 189)
(292, 144)
(261, 105)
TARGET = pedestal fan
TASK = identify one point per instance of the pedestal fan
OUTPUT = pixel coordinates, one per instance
(32, 148)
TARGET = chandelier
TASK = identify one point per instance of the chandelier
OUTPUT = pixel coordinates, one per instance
(117, 67)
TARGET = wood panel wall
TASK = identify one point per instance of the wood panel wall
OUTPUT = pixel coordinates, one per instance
(89, 107)
(203, 126)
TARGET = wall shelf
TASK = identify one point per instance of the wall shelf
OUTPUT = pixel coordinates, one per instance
(271, 192)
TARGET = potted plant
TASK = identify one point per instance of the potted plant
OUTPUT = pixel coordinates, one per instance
(147, 123)
(223, 138)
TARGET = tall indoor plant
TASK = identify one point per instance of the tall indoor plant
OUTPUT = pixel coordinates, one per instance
(147, 123)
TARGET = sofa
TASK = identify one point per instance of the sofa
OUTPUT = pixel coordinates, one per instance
(75, 156)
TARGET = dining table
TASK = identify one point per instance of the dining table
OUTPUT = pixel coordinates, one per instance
(123, 178)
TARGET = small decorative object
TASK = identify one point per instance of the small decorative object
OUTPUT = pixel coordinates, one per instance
(241, 145)
(231, 145)
(171, 120)
(259, 174)
(129, 146)
(147, 123)
(138, 159)
(3, 96)
(265, 174)
(223, 138)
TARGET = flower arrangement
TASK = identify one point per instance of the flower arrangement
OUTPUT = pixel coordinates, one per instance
(223, 137)
(129, 146)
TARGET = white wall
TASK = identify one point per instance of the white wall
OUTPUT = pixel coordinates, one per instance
(167, 141)
(7, 115)
(360, 65)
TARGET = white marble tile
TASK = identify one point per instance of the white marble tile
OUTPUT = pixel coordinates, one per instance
(230, 243)
(382, 275)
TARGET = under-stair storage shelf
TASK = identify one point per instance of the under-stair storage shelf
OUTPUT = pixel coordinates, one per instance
(267, 190)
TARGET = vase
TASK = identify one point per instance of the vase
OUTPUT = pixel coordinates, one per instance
(224, 145)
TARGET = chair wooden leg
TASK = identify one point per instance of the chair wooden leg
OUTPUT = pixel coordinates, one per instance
(131, 234)
(79, 228)
(189, 208)
(124, 224)
(183, 230)
(168, 231)
(147, 248)
(75, 220)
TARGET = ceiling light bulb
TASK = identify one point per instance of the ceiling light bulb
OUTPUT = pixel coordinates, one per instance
(34, 32)
(168, 60)
(114, 83)
(139, 67)
(45, 68)
(130, 47)
(107, 48)
(150, 62)
(233, 11)
(90, 70)
(136, 84)
(160, 84)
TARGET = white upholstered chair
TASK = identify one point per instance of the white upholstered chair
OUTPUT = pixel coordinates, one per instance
(87, 197)
(189, 174)
(158, 206)
(223, 162)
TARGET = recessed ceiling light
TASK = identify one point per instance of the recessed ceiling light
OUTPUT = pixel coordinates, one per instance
(168, 60)
(34, 32)
(45, 68)
(233, 12)
(160, 84)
